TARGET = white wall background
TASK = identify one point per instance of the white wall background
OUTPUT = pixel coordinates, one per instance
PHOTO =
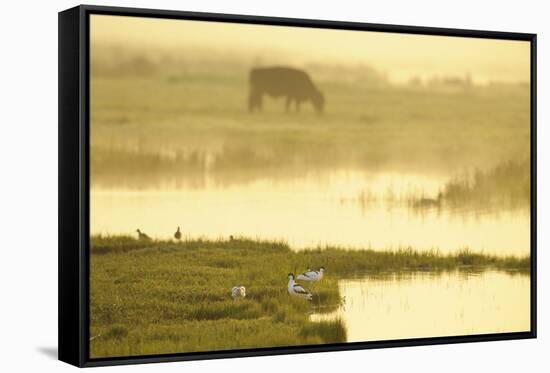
(28, 184)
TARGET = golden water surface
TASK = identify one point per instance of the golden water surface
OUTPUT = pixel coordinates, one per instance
(310, 211)
(416, 305)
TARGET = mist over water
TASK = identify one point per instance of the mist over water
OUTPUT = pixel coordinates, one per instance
(315, 210)
(441, 165)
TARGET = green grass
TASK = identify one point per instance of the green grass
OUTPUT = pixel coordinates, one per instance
(166, 297)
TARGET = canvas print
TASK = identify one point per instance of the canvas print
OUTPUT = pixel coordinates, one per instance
(259, 186)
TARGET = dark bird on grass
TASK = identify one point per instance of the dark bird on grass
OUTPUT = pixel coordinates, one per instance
(142, 236)
(231, 238)
(177, 235)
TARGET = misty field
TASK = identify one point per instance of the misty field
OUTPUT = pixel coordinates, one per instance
(184, 118)
(178, 122)
(167, 297)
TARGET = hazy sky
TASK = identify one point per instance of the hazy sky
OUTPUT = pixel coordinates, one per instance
(401, 56)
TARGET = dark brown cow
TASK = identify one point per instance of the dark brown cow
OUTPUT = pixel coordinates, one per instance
(293, 84)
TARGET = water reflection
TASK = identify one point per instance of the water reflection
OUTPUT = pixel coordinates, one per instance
(315, 209)
(415, 305)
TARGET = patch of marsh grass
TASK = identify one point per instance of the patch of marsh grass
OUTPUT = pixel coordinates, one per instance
(153, 297)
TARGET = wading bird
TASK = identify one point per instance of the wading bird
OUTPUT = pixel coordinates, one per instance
(142, 236)
(311, 275)
(297, 289)
(238, 292)
(177, 235)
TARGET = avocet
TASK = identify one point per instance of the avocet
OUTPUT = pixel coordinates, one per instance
(297, 289)
(311, 275)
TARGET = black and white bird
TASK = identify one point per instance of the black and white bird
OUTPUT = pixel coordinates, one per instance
(142, 236)
(238, 292)
(311, 275)
(177, 235)
(297, 289)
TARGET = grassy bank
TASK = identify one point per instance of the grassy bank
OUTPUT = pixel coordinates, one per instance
(165, 297)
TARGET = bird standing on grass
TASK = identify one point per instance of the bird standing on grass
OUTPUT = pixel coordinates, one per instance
(238, 292)
(311, 275)
(142, 236)
(177, 235)
(297, 289)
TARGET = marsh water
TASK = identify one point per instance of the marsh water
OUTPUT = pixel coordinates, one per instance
(346, 208)
(425, 304)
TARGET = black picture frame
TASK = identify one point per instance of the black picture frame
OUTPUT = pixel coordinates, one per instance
(74, 183)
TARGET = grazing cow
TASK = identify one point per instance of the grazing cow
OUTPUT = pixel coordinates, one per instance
(294, 84)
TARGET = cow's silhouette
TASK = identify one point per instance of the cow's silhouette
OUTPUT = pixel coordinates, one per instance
(294, 84)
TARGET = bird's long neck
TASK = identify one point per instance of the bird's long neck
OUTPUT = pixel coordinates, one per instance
(290, 283)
